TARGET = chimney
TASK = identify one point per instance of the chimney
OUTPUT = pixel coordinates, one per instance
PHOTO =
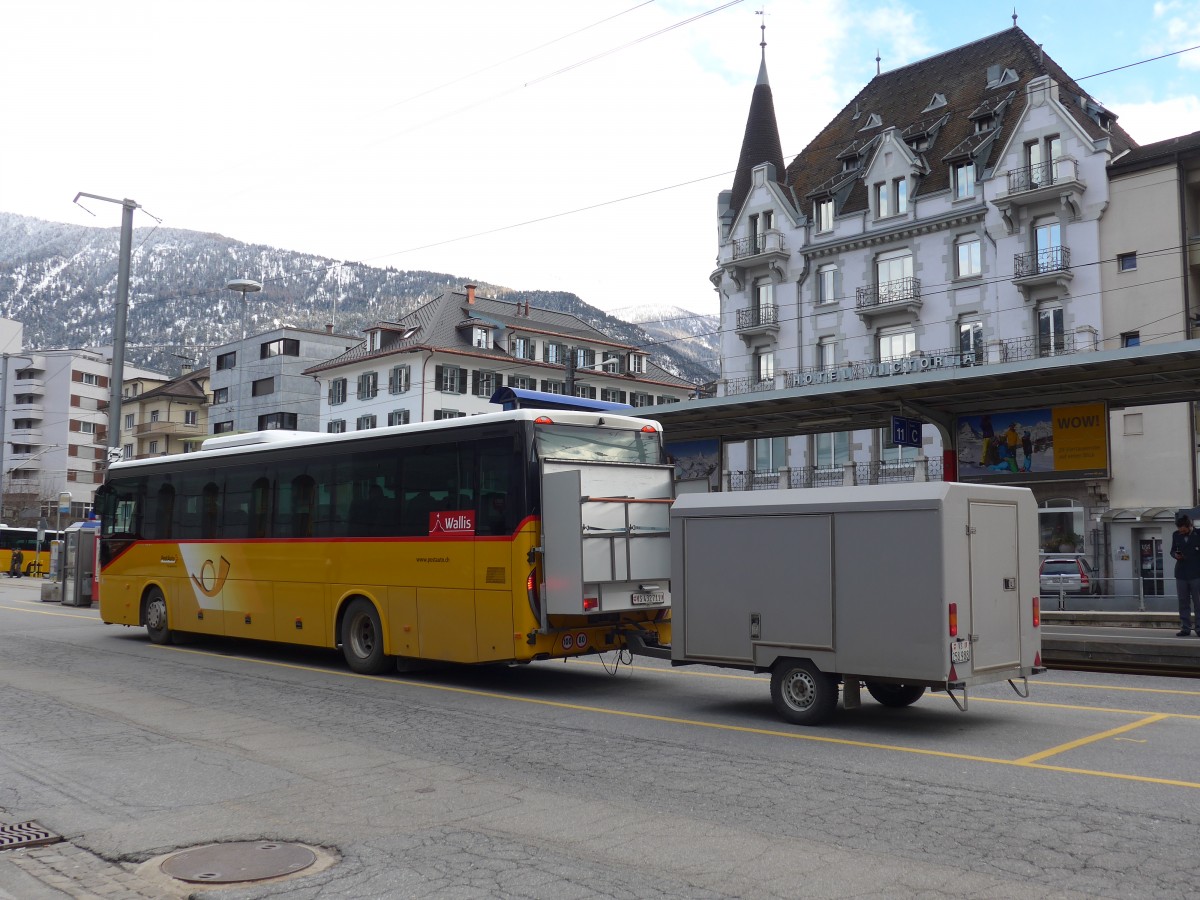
(470, 293)
(526, 307)
(329, 328)
(185, 369)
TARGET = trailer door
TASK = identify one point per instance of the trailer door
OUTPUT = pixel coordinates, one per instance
(995, 600)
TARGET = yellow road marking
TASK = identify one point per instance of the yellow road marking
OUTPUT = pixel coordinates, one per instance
(1091, 739)
(1040, 704)
(1026, 763)
(1029, 762)
(1113, 687)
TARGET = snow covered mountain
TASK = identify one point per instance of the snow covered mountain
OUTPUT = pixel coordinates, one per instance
(60, 281)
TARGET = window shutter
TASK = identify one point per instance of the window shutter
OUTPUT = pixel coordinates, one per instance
(438, 378)
(462, 381)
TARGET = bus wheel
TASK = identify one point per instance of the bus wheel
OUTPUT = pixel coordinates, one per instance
(895, 695)
(802, 693)
(156, 617)
(362, 639)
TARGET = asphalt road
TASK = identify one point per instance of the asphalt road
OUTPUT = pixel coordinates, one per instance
(563, 780)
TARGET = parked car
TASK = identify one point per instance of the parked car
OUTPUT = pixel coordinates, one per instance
(1068, 574)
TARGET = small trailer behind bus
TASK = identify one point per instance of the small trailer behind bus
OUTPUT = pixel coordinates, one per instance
(902, 587)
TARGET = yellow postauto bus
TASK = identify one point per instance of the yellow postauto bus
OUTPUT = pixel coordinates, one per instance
(504, 537)
(35, 555)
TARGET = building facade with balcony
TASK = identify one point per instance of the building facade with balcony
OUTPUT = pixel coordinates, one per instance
(54, 438)
(446, 359)
(163, 417)
(950, 215)
(259, 383)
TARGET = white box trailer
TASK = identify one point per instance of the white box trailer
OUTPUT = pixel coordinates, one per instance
(903, 587)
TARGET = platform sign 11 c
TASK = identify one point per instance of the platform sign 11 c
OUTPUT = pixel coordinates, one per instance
(906, 432)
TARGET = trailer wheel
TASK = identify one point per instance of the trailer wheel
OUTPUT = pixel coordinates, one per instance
(156, 617)
(362, 639)
(895, 695)
(802, 693)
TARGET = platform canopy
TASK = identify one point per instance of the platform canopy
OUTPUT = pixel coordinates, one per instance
(1131, 376)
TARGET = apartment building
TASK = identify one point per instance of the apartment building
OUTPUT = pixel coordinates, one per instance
(446, 359)
(1150, 278)
(260, 383)
(949, 216)
(164, 417)
(54, 431)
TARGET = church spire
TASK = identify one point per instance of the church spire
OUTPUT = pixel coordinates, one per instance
(760, 143)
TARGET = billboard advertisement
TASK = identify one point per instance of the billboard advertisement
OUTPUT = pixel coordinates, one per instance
(1046, 444)
(696, 462)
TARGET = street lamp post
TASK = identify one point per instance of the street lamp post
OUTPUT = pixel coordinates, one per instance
(242, 286)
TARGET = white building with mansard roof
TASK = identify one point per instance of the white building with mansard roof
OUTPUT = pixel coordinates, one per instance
(446, 359)
(950, 215)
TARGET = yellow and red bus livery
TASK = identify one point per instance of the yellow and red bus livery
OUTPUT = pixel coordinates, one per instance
(504, 537)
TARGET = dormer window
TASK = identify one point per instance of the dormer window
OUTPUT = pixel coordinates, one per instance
(873, 121)
(938, 100)
(481, 337)
(984, 123)
(374, 341)
(998, 77)
(850, 164)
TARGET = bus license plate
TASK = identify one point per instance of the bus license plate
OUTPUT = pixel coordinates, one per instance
(960, 651)
(651, 598)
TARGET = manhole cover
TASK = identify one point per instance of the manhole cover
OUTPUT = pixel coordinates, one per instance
(25, 834)
(238, 861)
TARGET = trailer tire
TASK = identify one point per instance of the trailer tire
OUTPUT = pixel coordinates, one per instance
(802, 693)
(362, 639)
(156, 617)
(895, 695)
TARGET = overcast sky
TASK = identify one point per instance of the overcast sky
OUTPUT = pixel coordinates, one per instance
(576, 146)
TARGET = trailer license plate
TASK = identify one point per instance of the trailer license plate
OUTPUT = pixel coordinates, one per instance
(652, 598)
(960, 651)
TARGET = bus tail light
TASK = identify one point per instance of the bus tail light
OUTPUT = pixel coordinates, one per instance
(531, 591)
(649, 429)
(543, 420)
(1037, 612)
(953, 620)
(591, 604)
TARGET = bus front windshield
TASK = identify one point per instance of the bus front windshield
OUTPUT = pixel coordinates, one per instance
(598, 443)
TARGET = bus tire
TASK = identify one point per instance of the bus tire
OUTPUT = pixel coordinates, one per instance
(895, 695)
(156, 617)
(362, 639)
(802, 693)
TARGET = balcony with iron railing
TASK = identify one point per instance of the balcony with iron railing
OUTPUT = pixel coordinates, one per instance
(1048, 266)
(1080, 340)
(758, 319)
(1057, 180)
(860, 473)
(1060, 172)
(770, 243)
(888, 296)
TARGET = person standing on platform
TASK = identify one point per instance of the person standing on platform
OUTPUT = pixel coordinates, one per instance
(1185, 550)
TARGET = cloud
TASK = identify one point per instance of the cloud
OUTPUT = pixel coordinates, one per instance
(1182, 23)
(1156, 121)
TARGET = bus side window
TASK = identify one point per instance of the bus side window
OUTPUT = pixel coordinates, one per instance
(210, 510)
(499, 491)
(164, 513)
